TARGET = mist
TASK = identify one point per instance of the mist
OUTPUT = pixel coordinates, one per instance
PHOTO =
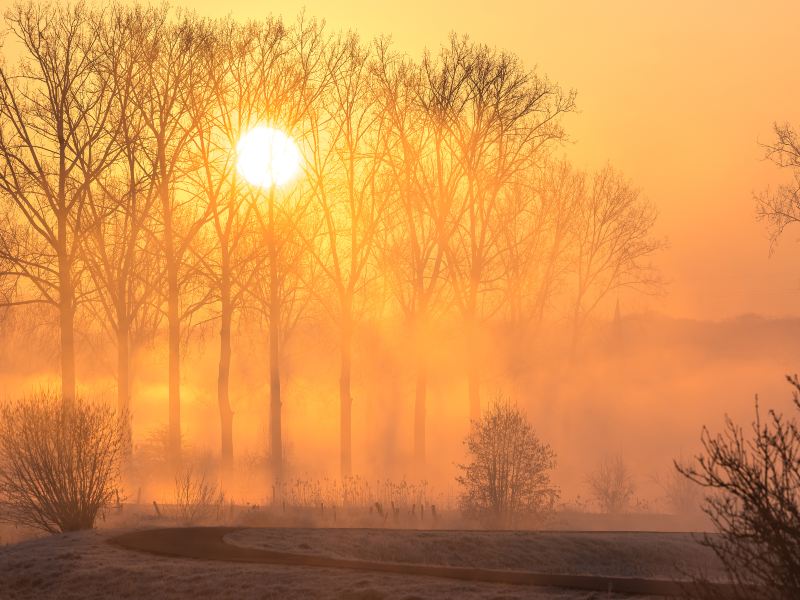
(271, 290)
(641, 386)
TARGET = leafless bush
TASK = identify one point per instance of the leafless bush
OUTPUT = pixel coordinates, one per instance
(59, 462)
(682, 495)
(612, 486)
(196, 498)
(754, 502)
(508, 473)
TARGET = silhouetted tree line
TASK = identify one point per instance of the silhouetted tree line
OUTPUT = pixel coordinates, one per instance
(430, 191)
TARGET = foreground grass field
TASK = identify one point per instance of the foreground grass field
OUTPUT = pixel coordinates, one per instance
(86, 565)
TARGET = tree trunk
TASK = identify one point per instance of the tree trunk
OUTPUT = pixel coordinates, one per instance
(345, 399)
(576, 332)
(474, 383)
(223, 378)
(276, 441)
(123, 317)
(124, 383)
(275, 426)
(66, 314)
(474, 372)
(174, 366)
(419, 414)
(173, 319)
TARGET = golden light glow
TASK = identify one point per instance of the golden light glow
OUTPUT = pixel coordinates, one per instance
(267, 157)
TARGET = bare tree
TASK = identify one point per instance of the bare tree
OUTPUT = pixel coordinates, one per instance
(614, 245)
(781, 208)
(164, 99)
(683, 496)
(59, 462)
(412, 258)
(220, 114)
(53, 147)
(508, 473)
(500, 118)
(538, 227)
(282, 295)
(273, 76)
(612, 485)
(120, 255)
(431, 179)
(295, 84)
(347, 135)
(752, 485)
(537, 223)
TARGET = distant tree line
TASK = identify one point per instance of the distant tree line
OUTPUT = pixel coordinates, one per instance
(430, 190)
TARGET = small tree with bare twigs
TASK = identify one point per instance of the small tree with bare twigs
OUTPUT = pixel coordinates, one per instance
(612, 485)
(196, 498)
(754, 501)
(59, 462)
(682, 496)
(508, 470)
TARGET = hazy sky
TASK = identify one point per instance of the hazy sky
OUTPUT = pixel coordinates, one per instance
(676, 94)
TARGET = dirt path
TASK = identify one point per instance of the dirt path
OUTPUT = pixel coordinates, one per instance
(208, 543)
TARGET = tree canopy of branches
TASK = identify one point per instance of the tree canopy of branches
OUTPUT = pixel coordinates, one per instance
(430, 196)
(614, 244)
(507, 475)
(752, 480)
(500, 118)
(780, 208)
(53, 147)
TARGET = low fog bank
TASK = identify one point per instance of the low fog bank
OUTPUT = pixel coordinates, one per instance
(638, 388)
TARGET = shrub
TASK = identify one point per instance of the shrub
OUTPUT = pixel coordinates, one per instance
(59, 462)
(754, 501)
(683, 496)
(612, 486)
(508, 472)
(196, 499)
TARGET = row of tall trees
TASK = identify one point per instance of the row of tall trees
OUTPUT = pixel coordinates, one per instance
(429, 191)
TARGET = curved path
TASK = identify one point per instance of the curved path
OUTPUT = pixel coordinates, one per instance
(208, 543)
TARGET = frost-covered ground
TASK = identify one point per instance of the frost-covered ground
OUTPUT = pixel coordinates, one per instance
(85, 566)
(618, 554)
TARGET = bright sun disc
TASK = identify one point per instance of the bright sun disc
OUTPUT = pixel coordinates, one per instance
(266, 156)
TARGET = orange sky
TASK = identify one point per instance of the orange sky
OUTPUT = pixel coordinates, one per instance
(676, 94)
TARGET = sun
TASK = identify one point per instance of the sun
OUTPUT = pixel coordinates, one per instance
(267, 157)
